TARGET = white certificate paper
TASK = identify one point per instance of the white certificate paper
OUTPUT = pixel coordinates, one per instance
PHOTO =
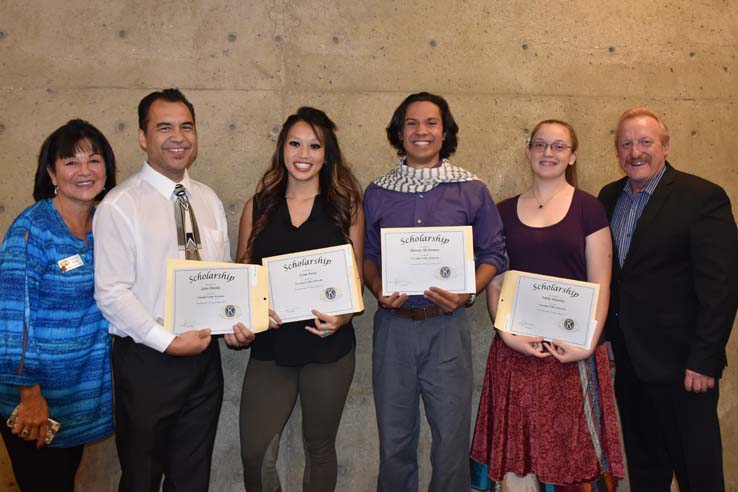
(551, 307)
(325, 279)
(215, 295)
(417, 258)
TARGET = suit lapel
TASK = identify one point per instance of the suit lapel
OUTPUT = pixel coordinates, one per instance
(617, 190)
(650, 213)
(613, 200)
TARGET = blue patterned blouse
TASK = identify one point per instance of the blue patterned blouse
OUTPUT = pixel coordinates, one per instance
(51, 331)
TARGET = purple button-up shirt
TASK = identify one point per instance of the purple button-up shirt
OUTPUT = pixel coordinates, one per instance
(448, 204)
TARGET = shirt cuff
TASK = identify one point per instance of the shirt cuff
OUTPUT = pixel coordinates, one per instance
(159, 338)
(500, 264)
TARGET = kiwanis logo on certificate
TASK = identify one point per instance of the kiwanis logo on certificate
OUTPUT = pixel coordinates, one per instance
(568, 324)
(445, 273)
(231, 311)
(331, 294)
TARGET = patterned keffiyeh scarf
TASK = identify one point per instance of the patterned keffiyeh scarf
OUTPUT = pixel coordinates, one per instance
(407, 179)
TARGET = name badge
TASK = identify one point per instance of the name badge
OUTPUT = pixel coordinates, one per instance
(70, 263)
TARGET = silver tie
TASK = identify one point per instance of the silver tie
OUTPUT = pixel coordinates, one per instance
(188, 241)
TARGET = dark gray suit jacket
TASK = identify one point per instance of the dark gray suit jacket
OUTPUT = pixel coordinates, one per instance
(674, 300)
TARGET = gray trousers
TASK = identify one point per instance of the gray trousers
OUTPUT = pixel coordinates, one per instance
(429, 359)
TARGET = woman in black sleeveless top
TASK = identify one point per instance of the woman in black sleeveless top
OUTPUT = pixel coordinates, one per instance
(308, 199)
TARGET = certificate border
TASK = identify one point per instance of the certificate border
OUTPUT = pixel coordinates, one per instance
(441, 229)
(590, 289)
(176, 271)
(343, 252)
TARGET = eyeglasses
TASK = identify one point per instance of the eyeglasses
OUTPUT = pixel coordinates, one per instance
(541, 146)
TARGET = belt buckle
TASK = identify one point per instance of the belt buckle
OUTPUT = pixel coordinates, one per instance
(419, 314)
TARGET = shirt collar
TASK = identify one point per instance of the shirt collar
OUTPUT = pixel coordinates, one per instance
(161, 183)
(628, 188)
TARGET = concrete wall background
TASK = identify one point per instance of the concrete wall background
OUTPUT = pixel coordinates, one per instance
(246, 65)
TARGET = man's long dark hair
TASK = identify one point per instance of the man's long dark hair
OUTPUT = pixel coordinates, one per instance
(450, 128)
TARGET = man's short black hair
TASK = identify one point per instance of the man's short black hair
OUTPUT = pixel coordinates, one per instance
(170, 95)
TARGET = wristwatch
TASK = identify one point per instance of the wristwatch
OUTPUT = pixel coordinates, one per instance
(472, 299)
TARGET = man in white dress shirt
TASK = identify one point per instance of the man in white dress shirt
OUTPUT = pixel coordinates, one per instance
(168, 388)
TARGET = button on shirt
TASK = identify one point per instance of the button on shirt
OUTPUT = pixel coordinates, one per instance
(628, 210)
(448, 204)
(135, 233)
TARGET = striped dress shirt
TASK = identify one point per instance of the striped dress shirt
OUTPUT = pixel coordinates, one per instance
(627, 211)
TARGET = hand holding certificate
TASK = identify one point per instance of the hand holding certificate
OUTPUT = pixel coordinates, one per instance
(550, 307)
(213, 295)
(326, 280)
(415, 259)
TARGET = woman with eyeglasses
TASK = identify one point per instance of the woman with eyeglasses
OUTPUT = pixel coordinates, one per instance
(547, 411)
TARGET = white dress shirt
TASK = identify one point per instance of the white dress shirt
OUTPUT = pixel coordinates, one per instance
(135, 233)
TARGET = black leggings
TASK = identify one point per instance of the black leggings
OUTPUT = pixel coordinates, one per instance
(267, 399)
(41, 470)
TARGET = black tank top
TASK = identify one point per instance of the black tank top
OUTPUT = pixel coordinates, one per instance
(291, 344)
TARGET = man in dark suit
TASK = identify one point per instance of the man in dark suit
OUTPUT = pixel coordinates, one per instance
(673, 302)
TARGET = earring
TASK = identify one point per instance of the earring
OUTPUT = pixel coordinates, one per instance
(56, 190)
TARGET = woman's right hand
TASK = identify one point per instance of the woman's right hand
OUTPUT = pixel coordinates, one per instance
(33, 415)
(532, 346)
(240, 338)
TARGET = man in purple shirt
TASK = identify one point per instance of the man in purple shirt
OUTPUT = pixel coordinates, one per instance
(422, 344)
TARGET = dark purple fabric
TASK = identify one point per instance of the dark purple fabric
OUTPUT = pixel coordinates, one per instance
(448, 204)
(556, 250)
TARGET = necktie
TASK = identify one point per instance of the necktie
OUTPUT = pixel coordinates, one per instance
(189, 242)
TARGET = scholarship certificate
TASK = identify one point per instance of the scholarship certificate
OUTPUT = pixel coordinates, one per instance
(550, 307)
(417, 258)
(204, 294)
(324, 279)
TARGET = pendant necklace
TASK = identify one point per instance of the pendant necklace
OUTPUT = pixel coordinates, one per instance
(545, 202)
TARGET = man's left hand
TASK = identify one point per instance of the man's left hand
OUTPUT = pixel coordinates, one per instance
(447, 301)
(699, 383)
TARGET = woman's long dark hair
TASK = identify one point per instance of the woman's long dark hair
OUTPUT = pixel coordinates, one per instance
(338, 187)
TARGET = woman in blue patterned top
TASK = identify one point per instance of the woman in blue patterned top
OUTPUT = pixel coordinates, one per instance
(54, 343)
